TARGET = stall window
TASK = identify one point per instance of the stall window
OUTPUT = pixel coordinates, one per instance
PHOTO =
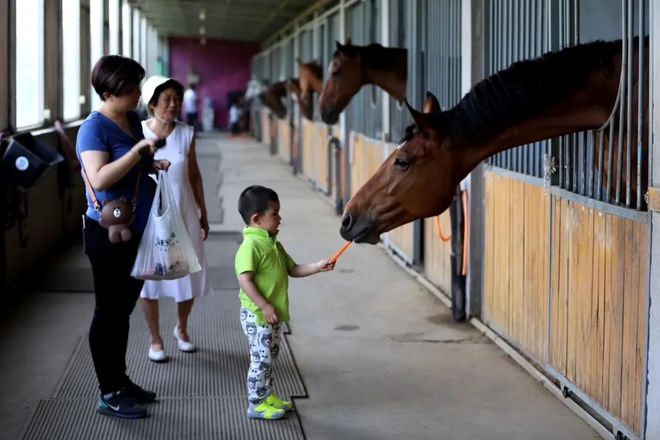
(71, 59)
(113, 21)
(29, 39)
(96, 40)
(126, 29)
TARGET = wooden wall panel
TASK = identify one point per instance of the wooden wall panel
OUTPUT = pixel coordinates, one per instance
(284, 140)
(317, 140)
(599, 296)
(437, 253)
(516, 292)
(367, 157)
(309, 150)
(597, 292)
(265, 126)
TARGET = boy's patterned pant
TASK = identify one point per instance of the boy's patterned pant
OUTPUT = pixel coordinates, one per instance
(264, 346)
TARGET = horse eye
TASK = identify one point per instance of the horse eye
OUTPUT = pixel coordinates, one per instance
(401, 164)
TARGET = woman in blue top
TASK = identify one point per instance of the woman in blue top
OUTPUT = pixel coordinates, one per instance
(116, 160)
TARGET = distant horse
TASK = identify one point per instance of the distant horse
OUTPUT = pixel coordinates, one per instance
(310, 81)
(557, 94)
(354, 66)
(272, 98)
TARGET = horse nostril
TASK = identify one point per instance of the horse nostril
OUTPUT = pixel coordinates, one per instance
(347, 222)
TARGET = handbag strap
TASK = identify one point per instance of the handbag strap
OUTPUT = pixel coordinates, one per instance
(95, 201)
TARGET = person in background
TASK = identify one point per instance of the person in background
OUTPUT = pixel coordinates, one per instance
(190, 105)
(235, 119)
(162, 97)
(116, 160)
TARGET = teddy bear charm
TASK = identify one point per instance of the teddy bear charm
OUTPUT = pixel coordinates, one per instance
(117, 216)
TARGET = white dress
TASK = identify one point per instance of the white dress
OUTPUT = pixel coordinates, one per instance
(176, 151)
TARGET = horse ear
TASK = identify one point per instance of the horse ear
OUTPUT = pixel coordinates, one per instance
(298, 60)
(431, 104)
(349, 42)
(339, 46)
(421, 120)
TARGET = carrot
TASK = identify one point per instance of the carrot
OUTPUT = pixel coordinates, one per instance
(336, 256)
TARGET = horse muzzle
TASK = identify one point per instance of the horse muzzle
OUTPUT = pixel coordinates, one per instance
(360, 230)
(329, 116)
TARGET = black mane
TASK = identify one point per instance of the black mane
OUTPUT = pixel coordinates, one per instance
(526, 89)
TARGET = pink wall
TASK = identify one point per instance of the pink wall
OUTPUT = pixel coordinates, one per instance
(222, 66)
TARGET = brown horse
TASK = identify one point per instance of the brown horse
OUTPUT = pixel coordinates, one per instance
(354, 66)
(272, 98)
(557, 94)
(302, 89)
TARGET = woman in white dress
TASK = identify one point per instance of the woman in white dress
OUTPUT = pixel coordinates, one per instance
(162, 97)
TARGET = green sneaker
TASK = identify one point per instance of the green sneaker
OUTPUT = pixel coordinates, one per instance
(264, 411)
(274, 401)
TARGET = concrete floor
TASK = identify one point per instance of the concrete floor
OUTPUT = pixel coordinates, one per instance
(380, 356)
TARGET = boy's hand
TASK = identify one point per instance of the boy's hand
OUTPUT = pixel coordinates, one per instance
(326, 265)
(270, 314)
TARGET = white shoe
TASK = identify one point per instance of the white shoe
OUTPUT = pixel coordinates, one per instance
(185, 346)
(157, 356)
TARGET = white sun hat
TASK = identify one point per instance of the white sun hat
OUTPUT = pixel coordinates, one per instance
(150, 85)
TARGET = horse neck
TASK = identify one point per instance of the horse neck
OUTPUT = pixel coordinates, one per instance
(586, 110)
(315, 82)
(393, 78)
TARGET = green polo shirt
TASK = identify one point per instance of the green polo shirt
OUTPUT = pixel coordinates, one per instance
(265, 256)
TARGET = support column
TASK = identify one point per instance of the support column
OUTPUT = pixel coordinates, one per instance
(653, 375)
(472, 71)
(6, 35)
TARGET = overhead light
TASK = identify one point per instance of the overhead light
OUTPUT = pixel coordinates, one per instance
(202, 14)
(202, 30)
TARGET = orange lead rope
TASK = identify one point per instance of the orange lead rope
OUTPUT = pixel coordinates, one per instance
(336, 256)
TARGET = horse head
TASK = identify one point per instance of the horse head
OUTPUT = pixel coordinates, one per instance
(344, 81)
(310, 81)
(417, 180)
(272, 98)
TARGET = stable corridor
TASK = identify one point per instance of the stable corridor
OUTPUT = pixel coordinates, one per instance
(371, 354)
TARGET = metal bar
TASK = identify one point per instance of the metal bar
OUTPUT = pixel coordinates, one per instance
(615, 423)
(622, 86)
(574, 147)
(606, 208)
(629, 95)
(599, 170)
(640, 101)
(610, 163)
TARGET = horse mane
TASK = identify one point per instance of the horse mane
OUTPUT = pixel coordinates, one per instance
(526, 89)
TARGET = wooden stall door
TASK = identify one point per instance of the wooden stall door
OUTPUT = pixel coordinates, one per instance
(437, 253)
(516, 262)
(567, 284)
(598, 318)
(284, 140)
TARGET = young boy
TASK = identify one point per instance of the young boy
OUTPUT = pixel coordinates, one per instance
(263, 268)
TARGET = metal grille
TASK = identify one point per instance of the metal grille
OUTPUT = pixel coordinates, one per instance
(306, 46)
(442, 51)
(610, 164)
(516, 30)
(355, 111)
(401, 33)
(372, 95)
(289, 59)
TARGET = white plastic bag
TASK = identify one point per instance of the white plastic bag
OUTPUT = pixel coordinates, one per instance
(166, 251)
